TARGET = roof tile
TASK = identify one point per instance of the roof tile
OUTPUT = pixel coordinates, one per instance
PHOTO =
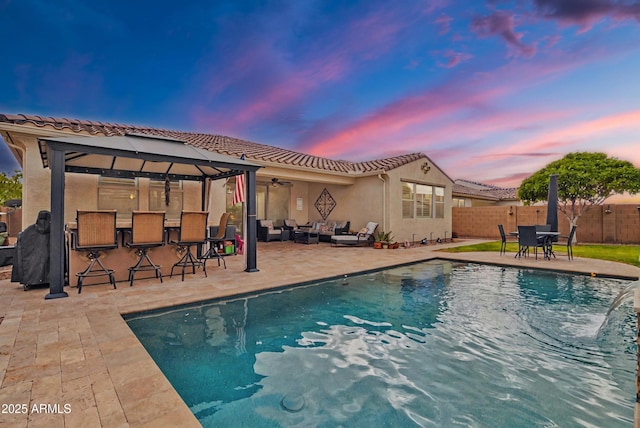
(217, 143)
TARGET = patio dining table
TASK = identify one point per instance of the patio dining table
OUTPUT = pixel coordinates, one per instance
(547, 246)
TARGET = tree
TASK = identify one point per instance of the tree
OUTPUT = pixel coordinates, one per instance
(10, 186)
(584, 181)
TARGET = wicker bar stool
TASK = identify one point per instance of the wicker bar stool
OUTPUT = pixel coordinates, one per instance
(213, 241)
(147, 231)
(96, 232)
(193, 231)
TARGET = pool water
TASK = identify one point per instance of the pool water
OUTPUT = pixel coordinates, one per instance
(432, 344)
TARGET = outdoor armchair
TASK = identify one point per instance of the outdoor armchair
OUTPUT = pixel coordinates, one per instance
(268, 232)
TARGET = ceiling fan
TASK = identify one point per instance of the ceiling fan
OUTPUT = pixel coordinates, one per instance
(276, 182)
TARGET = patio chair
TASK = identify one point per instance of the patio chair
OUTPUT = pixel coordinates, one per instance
(527, 238)
(569, 242)
(215, 241)
(268, 232)
(363, 237)
(96, 232)
(193, 231)
(291, 225)
(503, 242)
(546, 240)
(147, 231)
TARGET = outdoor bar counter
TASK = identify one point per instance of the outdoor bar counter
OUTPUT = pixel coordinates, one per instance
(122, 258)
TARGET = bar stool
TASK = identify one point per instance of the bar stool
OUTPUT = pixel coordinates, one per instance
(147, 231)
(213, 241)
(193, 231)
(96, 232)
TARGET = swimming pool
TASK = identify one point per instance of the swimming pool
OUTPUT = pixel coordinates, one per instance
(432, 344)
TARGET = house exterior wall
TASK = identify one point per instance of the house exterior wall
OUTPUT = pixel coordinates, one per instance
(404, 229)
(372, 199)
(36, 180)
(359, 203)
(359, 199)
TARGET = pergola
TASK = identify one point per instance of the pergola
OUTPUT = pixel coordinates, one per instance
(130, 156)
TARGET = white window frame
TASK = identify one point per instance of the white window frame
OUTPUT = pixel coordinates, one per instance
(428, 201)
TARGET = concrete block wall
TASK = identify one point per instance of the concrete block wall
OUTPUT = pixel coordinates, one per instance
(610, 224)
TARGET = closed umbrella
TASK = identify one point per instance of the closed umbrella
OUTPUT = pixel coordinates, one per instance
(552, 203)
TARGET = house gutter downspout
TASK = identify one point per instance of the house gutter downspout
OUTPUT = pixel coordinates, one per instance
(14, 146)
(384, 199)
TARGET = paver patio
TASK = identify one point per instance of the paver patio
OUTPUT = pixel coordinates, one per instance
(79, 352)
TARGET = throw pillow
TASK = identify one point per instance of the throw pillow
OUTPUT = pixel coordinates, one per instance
(3, 237)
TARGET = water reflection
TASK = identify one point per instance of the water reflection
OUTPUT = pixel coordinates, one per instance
(429, 344)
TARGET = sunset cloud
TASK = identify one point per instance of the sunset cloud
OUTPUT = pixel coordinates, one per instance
(586, 12)
(502, 24)
(490, 91)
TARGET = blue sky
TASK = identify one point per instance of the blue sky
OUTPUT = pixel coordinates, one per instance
(490, 90)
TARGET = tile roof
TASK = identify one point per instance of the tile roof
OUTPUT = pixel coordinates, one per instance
(216, 143)
(485, 191)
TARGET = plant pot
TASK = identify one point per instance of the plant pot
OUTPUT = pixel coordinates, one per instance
(385, 246)
(377, 245)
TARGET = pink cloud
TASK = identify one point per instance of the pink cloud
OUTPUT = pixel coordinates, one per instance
(525, 156)
(455, 58)
(444, 23)
(279, 85)
(503, 23)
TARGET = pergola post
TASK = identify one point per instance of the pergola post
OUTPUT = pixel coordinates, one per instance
(252, 232)
(56, 236)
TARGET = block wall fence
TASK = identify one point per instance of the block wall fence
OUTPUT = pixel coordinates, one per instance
(606, 224)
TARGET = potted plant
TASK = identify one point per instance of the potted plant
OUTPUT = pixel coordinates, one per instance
(388, 240)
(382, 239)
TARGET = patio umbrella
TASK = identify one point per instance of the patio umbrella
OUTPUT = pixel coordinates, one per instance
(552, 203)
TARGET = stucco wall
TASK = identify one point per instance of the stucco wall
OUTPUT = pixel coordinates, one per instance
(372, 199)
(36, 187)
(358, 203)
(409, 229)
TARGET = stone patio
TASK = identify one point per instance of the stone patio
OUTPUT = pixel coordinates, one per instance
(78, 356)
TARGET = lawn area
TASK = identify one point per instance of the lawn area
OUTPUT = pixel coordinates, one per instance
(629, 254)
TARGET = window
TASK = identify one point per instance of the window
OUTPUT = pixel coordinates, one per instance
(119, 194)
(157, 200)
(439, 202)
(422, 201)
(407, 200)
(459, 202)
(272, 202)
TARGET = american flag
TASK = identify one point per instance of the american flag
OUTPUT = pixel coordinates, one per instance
(238, 194)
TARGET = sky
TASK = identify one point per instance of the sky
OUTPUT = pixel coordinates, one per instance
(490, 91)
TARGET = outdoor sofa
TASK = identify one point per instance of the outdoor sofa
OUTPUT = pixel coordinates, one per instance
(325, 229)
(330, 228)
